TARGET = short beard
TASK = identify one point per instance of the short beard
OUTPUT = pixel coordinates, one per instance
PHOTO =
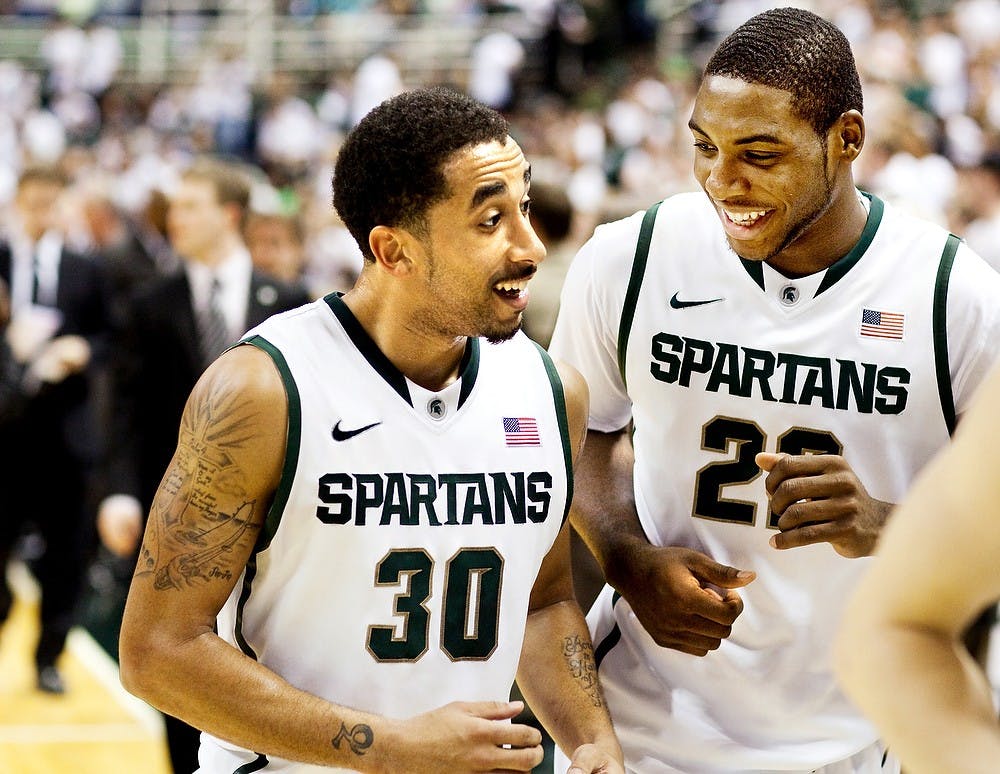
(500, 338)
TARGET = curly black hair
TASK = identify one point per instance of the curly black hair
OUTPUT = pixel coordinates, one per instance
(799, 52)
(389, 170)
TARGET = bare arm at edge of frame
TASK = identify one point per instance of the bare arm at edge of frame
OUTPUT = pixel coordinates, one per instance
(900, 653)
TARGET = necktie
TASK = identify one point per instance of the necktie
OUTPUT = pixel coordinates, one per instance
(214, 331)
(45, 272)
(34, 278)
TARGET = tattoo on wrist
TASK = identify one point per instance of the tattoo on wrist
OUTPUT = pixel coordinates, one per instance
(579, 656)
(359, 738)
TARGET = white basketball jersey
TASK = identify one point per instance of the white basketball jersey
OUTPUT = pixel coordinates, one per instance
(395, 566)
(718, 359)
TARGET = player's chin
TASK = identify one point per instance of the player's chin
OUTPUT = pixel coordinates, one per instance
(499, 333)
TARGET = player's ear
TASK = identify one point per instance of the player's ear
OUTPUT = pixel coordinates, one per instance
(850, 134)
(391, 248)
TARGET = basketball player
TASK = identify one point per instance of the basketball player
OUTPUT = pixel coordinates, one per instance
(900, 652)
(362, 526)
(770, 364)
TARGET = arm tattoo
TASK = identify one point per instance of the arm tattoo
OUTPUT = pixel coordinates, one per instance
(359, 738)
(189, 533)
(579, 656)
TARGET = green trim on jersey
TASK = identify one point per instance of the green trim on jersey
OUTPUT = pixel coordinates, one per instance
(940, 327)
(635, 283)
(756, 271)
(468, 369)
(836, 272)
(559, 398)
(602, 648)
(255, 765)
(293, 441)
(249, 573)
(839, 269)
(367, 346)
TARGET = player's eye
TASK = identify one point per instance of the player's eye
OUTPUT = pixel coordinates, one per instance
(761, 156)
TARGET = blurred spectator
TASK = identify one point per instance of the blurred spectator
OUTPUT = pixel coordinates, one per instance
(976, 210)
(333, 259)
(552, 219)
(222, 101)
(276, 243)
(57, 332)
(290, 136)
(132, 250)
(495, 62)
(376, 79)
(64, 51)
(943, 62)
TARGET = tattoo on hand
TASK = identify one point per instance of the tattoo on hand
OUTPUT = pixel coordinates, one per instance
(579, 655)
(359, 738)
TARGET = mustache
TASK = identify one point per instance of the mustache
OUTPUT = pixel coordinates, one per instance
(526, 273)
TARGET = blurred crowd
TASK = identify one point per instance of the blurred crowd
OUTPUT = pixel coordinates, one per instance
(599, 100)
(603, 115)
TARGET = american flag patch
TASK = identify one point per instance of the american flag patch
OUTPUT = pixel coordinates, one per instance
(881, 325)
(521, 431)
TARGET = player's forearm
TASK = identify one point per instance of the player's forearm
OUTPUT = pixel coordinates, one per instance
(913, 682)
(558, 677)
(214, 687)
(603, 509)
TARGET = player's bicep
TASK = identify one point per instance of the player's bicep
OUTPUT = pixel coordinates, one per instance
(554, 582)
(212, 501)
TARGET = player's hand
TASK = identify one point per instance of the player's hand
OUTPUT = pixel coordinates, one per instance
(683, 598)
(461, 738)
(819, 499)
(119, 524)
(591, 759)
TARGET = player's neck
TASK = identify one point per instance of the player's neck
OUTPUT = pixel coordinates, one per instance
(431, 361)
(827, 240)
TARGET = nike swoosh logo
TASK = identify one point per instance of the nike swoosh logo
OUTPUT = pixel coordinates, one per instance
(343, 435)
(676, 303)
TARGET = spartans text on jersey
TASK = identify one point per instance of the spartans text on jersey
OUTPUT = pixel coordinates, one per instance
(779, 377)
(411, 499)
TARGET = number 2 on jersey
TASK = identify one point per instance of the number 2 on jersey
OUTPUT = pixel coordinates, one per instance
(717, 435)
(471, 605)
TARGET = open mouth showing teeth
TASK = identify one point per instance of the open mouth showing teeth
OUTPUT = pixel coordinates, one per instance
(511, 289)
(745, 218)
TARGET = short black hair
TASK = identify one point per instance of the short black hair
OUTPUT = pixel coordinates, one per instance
(799, 52)
(389, 170)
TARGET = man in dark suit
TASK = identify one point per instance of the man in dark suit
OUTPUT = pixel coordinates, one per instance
(49, 448)
(174, 327)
